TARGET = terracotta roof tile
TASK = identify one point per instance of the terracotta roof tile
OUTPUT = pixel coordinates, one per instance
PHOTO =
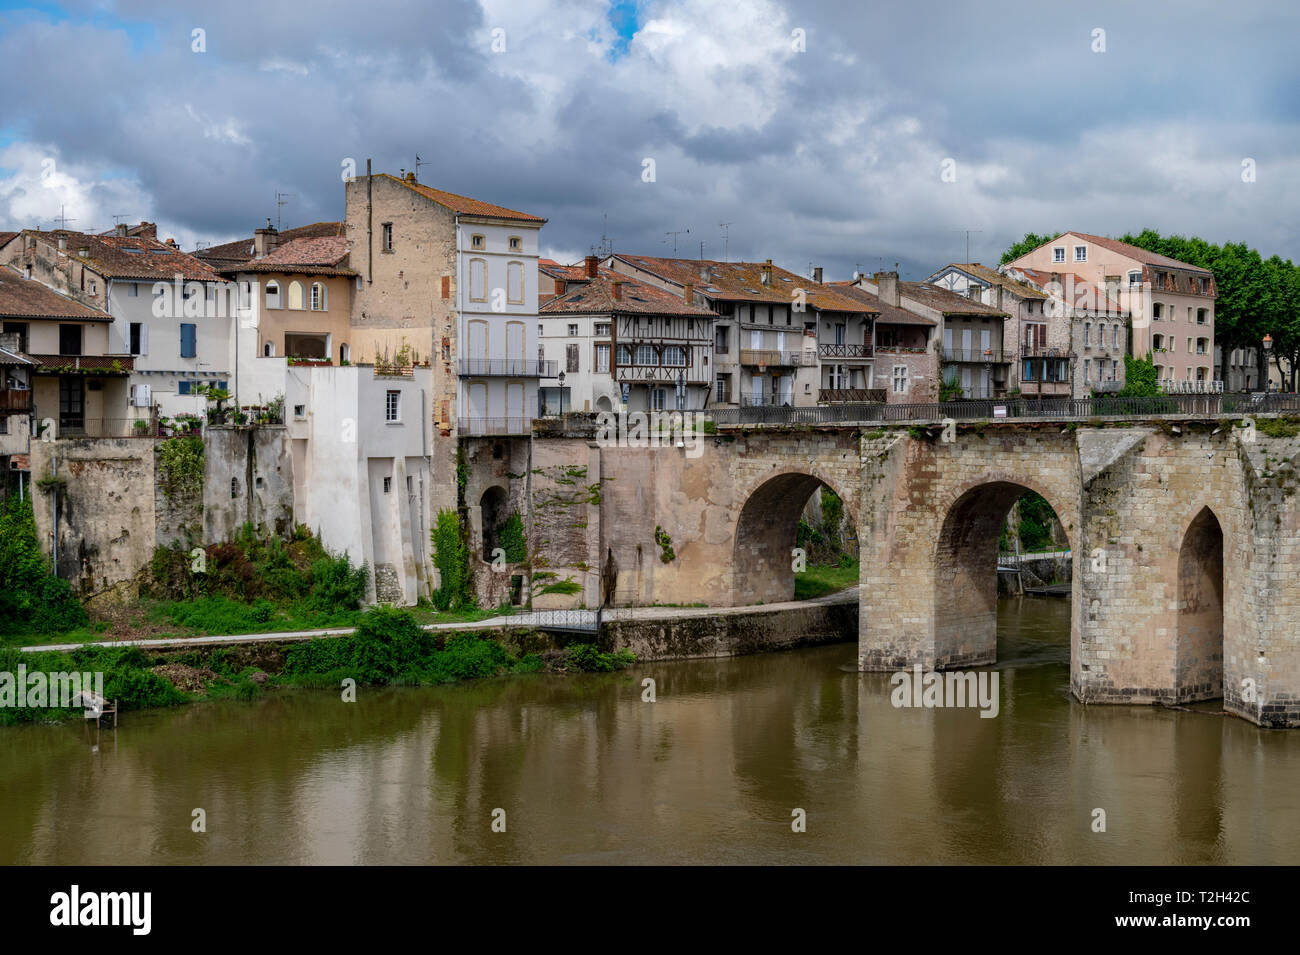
(1071, 283)
(742, 281)
(597, 297)
(129, 257)
(942, 300)
(463, 204)
(322, 256)
(241, 250)
(28, 298)
(885, 314)
(1141, 255)
(994, 277)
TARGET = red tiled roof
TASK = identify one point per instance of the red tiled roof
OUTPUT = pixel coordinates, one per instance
(463, 204)
(28, 298)
(6, 236)
(241, 250)
(742, 281)
(885, 314)
(994, 277)
(597, 296)
(1141, 255)
(129, 257)
(320, 256)
(942, 300)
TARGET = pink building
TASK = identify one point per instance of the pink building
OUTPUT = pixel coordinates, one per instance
(1171, 302)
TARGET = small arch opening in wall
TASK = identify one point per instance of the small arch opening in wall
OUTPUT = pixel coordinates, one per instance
(234, 488)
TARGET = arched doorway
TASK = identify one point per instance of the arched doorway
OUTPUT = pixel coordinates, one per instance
(763, 559)
(1198, 669)
(966, 574)
(492, 508)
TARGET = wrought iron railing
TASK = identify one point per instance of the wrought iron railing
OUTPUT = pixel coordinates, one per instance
(844, 351)
(508, 367)
(507, 425)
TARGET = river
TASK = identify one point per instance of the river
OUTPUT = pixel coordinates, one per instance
(586, 772)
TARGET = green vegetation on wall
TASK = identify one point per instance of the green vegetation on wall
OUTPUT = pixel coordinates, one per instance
(512, 539)
(451, 557)
(32, 600)
(181, 460)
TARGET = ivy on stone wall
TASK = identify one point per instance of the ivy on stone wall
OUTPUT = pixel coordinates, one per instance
(181, 459)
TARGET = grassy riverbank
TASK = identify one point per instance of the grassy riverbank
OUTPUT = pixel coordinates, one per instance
(821, 579)
(389, 648)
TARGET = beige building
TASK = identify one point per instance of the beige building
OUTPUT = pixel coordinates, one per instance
(1171, 303)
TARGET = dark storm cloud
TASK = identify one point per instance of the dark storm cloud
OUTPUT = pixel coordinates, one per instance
(831, 155)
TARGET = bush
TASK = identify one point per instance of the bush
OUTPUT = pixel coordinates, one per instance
(589, 658)
(451, 557)
(140, 689)
(513, 541)
(337, 585)
(32, 600)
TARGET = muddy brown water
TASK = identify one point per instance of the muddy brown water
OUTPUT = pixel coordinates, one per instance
(586, 772)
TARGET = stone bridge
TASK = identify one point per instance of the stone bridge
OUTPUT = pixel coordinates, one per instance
(1185, 538)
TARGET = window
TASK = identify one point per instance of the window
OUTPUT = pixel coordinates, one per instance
(720, 335)
(1157, 310)
(516, 244)
(1114, 336)
(1087, 334)
(1058, 255)
(602, 328)
(1158, 342)
(1135, 277)
(722, 393)
(1087, 368)
(477, 242)
(69, 339)
(392, 406)
(602, 358)
(900, 379)
(645, 355)
(133, 289)
(1200, 316)
(1029, 371)
(317, 297)
(137, 338)
(345, 354)
(1114, 369)
(571, 358)
(268, 349)
(477, 280)
(273, 295)
(675, 355)
(1081, 253)
(386, 241)
(573, 331)
(657, 396)
(388, 484)
(189, 340)
(300, 411)
(515, 282)
(624, 355)
(1189, 346)
(296, 300)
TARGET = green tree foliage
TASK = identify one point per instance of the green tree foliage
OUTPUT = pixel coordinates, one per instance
(1036, 518)
(32, 600)
(451, 557)
(832, 515)
(513, 541)
(1031, 241)
(1139, 378)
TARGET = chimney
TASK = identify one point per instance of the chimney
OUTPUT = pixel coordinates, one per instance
(147, 229)
(122, 229)
(171, 243)
(999, 298)
(887, 287)
(410, 177)
(706, 274)
(817, 275)
(767, 272)
(63, 243)
(688, 293)
(617, 286)
(591, 266)
(265, 241)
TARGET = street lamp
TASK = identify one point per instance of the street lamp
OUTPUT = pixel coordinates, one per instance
(988, 373)
(1268, 348)
(561, 392)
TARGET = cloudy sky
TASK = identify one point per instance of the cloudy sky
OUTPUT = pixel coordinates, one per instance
(839, 134)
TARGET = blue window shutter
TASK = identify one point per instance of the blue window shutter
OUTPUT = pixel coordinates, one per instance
(183, 388)
(187, 340)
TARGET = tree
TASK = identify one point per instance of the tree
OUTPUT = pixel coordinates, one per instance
(1031, 241)
(1139, 378)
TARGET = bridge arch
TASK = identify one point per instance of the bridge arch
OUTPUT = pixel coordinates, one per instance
(1199, 645)
(767, 530)
(964, 563)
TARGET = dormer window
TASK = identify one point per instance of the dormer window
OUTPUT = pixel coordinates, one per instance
(477, 242)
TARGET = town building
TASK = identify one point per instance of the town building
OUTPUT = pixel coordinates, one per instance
(59, 366)
(624, 345)
(170, 312)
(1170, 304)
(779, 339)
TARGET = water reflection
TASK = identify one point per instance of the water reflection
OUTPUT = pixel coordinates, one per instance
(586, 772)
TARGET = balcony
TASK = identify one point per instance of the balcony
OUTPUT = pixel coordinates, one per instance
(842, 395)
(974, 355)
(1043, 351)
(845, 351)
(507, 368)
(510, 425)
(15, 400)
(772, 358)
(664, 373)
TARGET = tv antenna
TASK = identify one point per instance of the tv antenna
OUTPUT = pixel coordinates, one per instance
(116, 218)
(701, 250)
(281, 200)
(418, 163)
(62, 219)
(968, 232)
(606, 247)
(725, 227)
(675, 235)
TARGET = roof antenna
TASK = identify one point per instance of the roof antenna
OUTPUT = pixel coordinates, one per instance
(725, 227)
(281, 200)
(675, 235)
(418, 163)
(62, 219)
(701, 250)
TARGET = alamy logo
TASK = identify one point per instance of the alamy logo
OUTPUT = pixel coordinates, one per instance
(103, 908)
(655, 429)
(58, 690)
(954, 688)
